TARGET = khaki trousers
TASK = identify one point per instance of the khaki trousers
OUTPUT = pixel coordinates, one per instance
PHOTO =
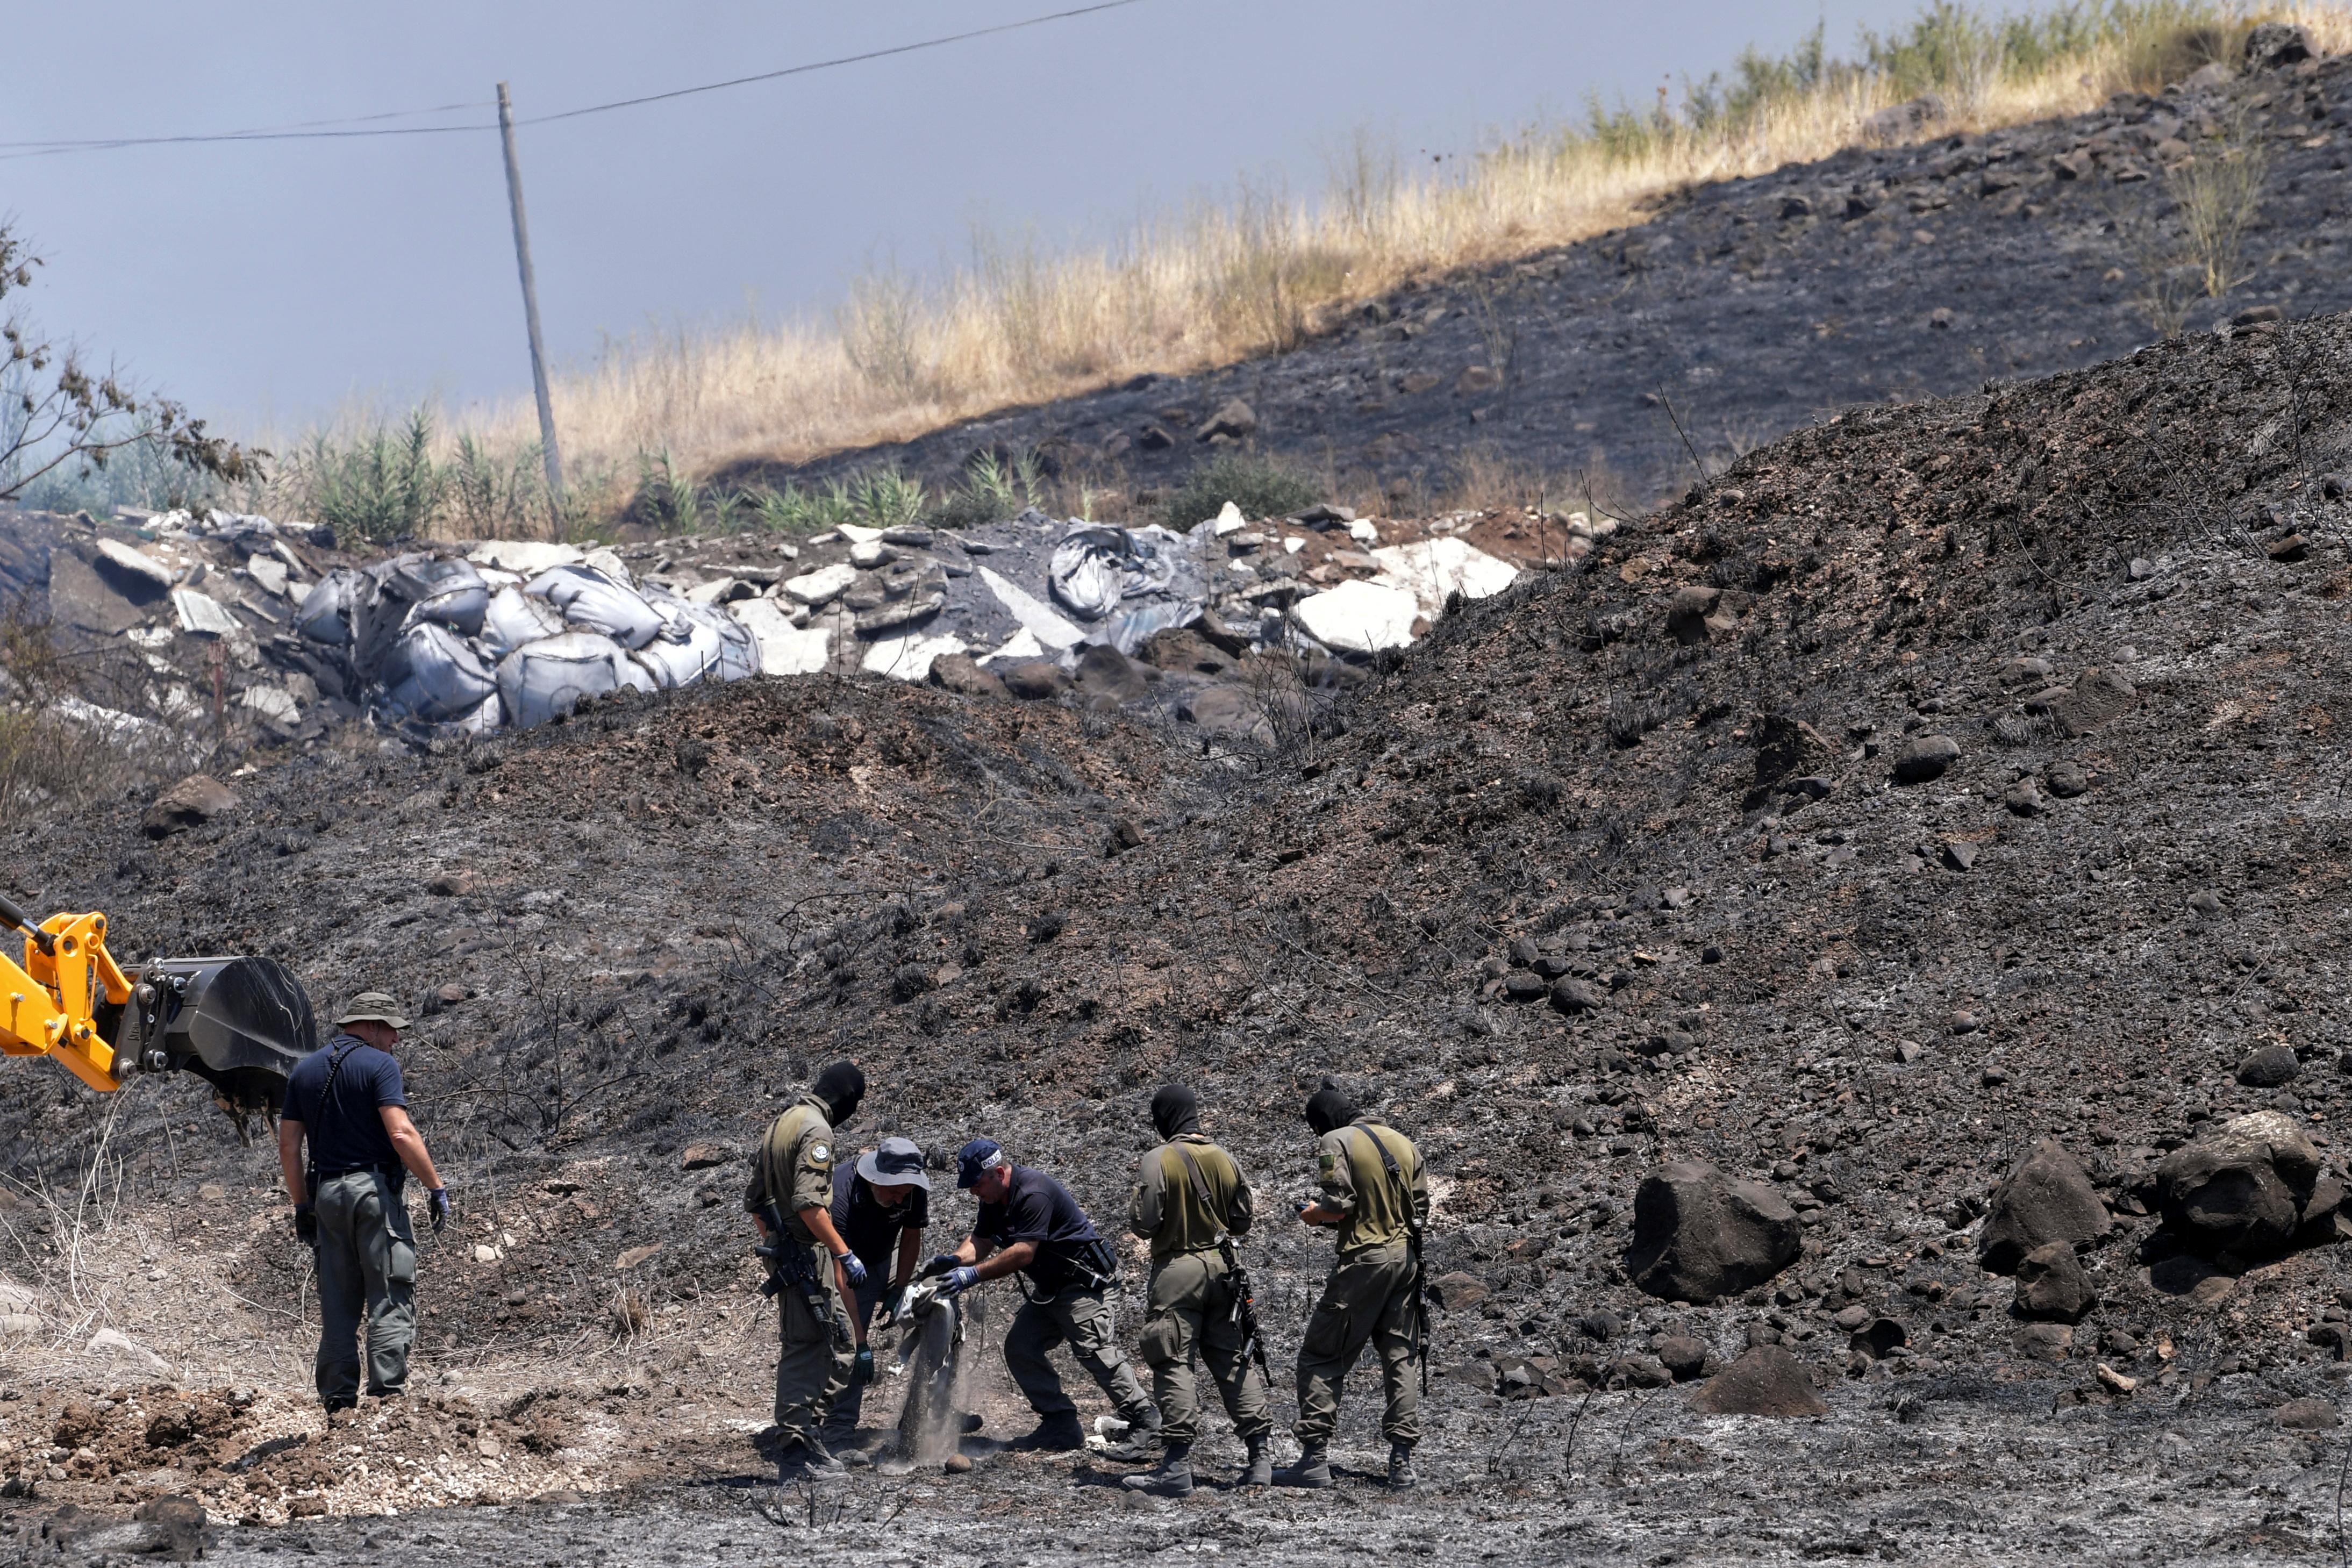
(813, 1355)
(1190, 1306)
(367, 1277)
(1365, 1302)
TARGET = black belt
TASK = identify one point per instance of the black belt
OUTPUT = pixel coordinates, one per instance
(395, 1168)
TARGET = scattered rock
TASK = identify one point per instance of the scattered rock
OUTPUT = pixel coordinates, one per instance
(1684, 1358)
(2243, 1191)
(2098, 697)
(2024, 799)
(1109, 676)
(704, 1157)
(960, 674)
(2045, 1341)
(1572, 995)
(2308, 1415)
(1700, 1235)
(1925, 758)
(120, 1346)
(2269, 1067)
(2274, 45)
(2051, 1286)
(1959, 855)
(1788, 747)
(191, 803)
(2047, 1198)
(1458, 1290)
(2066, 779)
(1234, 420)
(1036, 680)
(1765, 1381)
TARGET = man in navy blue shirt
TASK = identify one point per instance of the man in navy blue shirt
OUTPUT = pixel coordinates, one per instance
(1030, 1225)
(345, 1099)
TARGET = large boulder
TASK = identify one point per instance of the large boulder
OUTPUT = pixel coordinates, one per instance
(191, 803)
(2047, 1198)
(2051, 1286)
(2249, 1190)
(1766, 1381)
(1700, 1235)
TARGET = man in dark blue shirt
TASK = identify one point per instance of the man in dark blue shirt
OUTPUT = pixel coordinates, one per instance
(880, 1206)
(1029, 1224)
(345, 1099)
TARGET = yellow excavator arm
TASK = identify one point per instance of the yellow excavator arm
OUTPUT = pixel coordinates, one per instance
(52, 999)
(240, 1023)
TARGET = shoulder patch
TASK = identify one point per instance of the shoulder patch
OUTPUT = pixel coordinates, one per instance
(1327, 1160)
(821, 1154)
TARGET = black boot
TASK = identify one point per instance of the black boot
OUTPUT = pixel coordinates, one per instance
(1173, 1478)
(1401, 1476)
(1259, 1469)
(809, 1461)
(1312, 1468)
(1052, 1435)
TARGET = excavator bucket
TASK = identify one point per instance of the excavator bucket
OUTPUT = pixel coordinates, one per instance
(239, 1023)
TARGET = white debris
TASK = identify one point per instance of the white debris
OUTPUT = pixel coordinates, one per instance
(1430, 569)
(1018, 647)
(1359, 617)
(270, 572)
(137, 562)
(202, 614)
(592, 597)
(868, 554)
(817, 587)
(606, 559)
(1228, 520)
(1294, 544)
(272, 702)
(784, 648)
(113, 722)
(909, 658)
(527, 557)
(115, 1342)
(1036, 618)
(1364, 532)
(514, 618)
(717, 591)
(149, 636)
(542, 679)
(434, 675)
(858, 536)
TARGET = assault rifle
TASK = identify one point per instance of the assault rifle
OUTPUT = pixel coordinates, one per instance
(789, 1266)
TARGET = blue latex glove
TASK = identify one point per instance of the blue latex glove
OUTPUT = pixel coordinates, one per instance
(861, 1365)
(937, 1265)
(961, 1279)
(437, 1204)
(852, 1268)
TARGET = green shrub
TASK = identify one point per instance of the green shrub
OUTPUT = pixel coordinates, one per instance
(1259, 486)
(992, 490)
(382, 486)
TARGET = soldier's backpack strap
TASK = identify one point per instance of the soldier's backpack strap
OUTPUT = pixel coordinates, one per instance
(1200, 1182)
(1396, 1175)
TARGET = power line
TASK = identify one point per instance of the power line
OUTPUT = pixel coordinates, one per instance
(828, 65)
(308, 130)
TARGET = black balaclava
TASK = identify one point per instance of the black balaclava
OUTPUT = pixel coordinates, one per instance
(1174, 1110)
(1329, 1110)
(841, 1087)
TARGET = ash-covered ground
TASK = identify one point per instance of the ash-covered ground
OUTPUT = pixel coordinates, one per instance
(1945, 779)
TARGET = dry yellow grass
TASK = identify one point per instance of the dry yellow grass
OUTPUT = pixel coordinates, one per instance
(1216, 284)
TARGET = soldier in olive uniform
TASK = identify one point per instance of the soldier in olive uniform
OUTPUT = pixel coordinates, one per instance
(1375, 1192)
(1189, 1195)
(795, 1173)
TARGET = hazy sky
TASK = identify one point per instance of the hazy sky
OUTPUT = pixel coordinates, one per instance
(269, 283)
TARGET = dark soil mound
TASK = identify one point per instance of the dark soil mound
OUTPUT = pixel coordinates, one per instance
(2117, 592)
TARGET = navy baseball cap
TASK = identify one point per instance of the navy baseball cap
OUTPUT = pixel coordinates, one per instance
(978, 1155)
(895, 1163)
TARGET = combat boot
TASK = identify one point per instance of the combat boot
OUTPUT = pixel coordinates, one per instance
(809, 1461)
(1052, 1435)
(1172, 1479)
(1259, 1469)
(1312, 1468)
(1401, 1476)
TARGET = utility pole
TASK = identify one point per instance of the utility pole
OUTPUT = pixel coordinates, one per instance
(530, 302)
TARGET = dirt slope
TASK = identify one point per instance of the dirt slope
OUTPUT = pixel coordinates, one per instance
(634, 932)
(1752, 307)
